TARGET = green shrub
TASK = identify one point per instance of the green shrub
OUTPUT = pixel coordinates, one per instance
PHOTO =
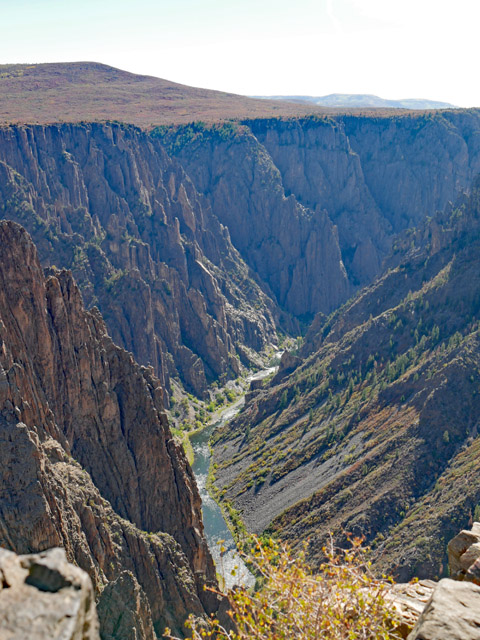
(230, 395)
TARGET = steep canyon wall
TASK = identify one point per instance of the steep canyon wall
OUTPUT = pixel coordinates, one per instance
(305, 199)
(87, 461)
(373, 428)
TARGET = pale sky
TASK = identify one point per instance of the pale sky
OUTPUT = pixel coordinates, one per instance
(394, 49)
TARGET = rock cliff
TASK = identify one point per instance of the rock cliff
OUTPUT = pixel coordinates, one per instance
(311, 205)
(452, 613)
(106, 202)
(87, 461)
(302, 197)
(294, 250)
(374, 176)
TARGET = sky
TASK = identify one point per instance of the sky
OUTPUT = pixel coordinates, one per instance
(394, 49)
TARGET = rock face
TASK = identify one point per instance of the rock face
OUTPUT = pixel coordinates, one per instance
(132, 616)
(106, 202)
(311, 205)
(442, 609)
(452, 613)
(319, 166)
(374, 176)
(87, 461)
(294, 250)
(408, 600)
(304, 197)
(43, 596)
(375, 430)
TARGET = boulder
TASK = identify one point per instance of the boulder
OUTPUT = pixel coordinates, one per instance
(43, 596)
(452, 613)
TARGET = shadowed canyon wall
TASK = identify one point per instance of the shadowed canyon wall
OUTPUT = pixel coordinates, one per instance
(293, 249)
(374, 176)
(107, 202)
(303, 197)
(191, 267)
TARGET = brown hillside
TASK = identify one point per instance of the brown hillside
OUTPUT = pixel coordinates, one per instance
(375, 430)
(75, 91)
(86, 91)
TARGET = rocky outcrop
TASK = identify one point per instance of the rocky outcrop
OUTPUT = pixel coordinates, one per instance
(43, 596)
(132, 617)
(464, 555)
(452, 613)
(106, 202)
(87, 461)
(442, 609)
(288, 363)
(407, 601)
(452, 610)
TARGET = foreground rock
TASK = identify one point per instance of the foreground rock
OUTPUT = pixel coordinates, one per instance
(43, 596)
(408, 600)
(453, 613)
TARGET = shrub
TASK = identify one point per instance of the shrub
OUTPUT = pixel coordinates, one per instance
(340, 602)
(230, 395)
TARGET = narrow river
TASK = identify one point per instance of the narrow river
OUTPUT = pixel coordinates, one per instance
(216, 529)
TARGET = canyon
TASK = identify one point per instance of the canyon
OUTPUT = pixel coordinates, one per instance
(106, 202)
(173, 256)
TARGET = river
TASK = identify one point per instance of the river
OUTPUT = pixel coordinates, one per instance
(216, 528)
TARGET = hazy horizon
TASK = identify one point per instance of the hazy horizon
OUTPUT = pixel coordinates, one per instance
(421, 50)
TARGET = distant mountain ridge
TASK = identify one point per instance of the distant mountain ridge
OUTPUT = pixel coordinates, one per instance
(359, 100)
(90, 91)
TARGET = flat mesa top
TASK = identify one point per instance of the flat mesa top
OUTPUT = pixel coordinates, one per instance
(90, 91)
